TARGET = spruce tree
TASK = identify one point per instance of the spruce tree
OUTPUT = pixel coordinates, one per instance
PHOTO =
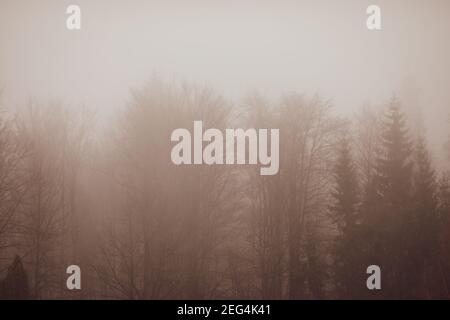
(424, 235)
(15, 285)
(392, 187)
(344, 215)
(394, 164)
(444, 232)
(425, 195)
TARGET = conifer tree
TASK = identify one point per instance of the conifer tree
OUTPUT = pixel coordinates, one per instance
(392, 204)
(15, 285)
(344, 215)
(394, 164)
(425, 219)
(425, 188)
(444, 232)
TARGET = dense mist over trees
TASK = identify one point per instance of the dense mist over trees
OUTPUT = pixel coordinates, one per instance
(350, 193)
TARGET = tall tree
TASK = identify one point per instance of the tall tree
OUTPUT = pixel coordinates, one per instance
(46, 217)
(424, 236)
(388, 205)
(166, 232)
(290, 210)
(267, 220)
(344, 215)
(12, 190)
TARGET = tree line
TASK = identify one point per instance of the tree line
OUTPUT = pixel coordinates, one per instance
(350, 193)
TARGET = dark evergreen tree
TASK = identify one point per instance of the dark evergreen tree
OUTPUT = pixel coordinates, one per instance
(389, 217)
(425, 184)
(344, 215)
(424, 236)
(444, 233)
(15, 285)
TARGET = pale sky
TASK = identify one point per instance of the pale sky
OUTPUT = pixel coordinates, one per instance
(235, 47)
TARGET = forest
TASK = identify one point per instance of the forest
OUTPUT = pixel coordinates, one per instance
(350, 192)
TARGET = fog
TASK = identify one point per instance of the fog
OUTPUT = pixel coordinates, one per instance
(235, 47)
(143, 228)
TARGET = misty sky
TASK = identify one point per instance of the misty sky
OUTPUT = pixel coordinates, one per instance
(233, 46)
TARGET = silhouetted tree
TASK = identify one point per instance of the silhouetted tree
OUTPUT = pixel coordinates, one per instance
(388, 206)
(41, 131)
(288, 212)
(153, 230)
(267, 219)
(167, 225)
(444, 233)
(424, 236)
(12, 189)
(366, 131)
(344, 213)
(15, 285)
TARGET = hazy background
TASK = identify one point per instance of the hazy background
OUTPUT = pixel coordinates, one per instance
(98, 190)
(233, 46)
